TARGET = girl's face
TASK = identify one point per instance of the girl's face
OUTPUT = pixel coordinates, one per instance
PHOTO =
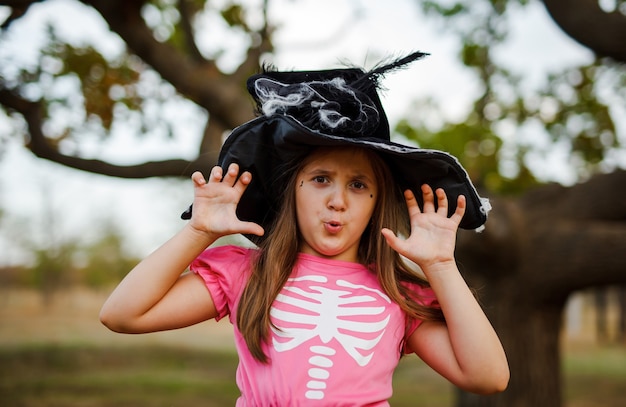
(336, 193)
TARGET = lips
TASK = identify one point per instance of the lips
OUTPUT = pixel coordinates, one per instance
(333, 227)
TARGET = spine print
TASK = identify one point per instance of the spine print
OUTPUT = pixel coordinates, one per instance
(320, 362)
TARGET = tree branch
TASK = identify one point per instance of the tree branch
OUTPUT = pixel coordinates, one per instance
(186, 10)
(554, 239)
(566, 256)
(200, 82)
(195, 77)
(32, 112)
(253, 56)
(603, 197)
(584, 21)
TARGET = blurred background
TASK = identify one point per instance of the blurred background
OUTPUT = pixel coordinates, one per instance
(107, 107)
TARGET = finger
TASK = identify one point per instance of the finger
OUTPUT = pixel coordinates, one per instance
(243, 182)
(392, 240)
(389, 236)
(442, 201)
(216, 174)
(429, 198)
(245, 178)
(231, 174)
(461, 205)
(252, 228)
(411, 202)
(198, 179)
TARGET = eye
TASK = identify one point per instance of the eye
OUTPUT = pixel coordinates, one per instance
(320, 179)
(358, 185)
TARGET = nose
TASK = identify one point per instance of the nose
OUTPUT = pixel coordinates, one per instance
(337, 199)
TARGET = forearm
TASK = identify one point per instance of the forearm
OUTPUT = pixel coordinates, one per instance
(148, 282)
(475, 344)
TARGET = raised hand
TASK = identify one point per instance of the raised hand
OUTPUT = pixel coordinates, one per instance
(464, 348)
(433, 233)
(215, 203)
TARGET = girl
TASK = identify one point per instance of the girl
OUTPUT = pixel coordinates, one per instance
(327, 303)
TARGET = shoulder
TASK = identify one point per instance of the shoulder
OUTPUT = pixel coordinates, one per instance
(421, 293)
(226, 263)
(224, 271)
(228, 255)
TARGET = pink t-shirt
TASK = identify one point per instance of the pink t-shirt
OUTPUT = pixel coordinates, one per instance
(338, 337)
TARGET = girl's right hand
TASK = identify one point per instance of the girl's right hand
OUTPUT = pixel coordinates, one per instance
(215, 203)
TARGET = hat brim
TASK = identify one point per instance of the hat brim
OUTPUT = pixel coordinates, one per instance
(264, 145)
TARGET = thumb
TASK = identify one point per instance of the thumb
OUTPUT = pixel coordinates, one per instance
(390, 237)
(252, 228)
(395, 242)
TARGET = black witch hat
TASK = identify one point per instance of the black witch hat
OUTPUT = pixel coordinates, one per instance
(301, 110)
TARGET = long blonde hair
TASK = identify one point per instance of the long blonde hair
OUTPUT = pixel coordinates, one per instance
(278, 253)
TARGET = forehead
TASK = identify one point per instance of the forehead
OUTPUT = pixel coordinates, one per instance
(348, 159)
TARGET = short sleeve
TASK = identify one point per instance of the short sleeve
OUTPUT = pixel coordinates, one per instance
(224, 270)
(424, 296)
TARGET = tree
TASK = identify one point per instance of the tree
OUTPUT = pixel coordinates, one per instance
(601, 28)
(111, 88)
(542, 242)
(539, 249)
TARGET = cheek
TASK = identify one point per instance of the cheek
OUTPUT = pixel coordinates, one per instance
(304, 205)
(367, 207)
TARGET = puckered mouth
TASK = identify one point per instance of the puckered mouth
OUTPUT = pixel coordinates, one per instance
(333, 226)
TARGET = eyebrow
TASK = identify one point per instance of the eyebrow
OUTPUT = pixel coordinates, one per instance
(363, 178)
(357, 175)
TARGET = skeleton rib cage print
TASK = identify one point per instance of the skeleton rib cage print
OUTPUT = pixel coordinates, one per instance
(311, 307)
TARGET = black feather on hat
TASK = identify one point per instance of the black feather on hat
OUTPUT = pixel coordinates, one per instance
(301, 110)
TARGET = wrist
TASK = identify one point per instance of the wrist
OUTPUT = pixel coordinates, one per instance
(202, 237)
(439, 267)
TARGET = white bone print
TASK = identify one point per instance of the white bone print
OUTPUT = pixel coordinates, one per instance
(328, 313)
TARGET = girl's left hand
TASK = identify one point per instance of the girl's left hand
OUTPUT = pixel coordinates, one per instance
(433, 233)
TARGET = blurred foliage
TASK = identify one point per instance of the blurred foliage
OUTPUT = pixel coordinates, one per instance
(52, 268)
(65, 262)
(569, 110)
(106, 261)
(85, 92)
(104, 84)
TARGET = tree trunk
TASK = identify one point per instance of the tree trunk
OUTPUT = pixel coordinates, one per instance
(529, 331)
(621, 312)
(535, 252)
(601, 303)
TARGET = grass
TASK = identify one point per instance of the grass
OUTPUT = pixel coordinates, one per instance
(51, 376)
(92, 376)
(595, 378)
(415, 384)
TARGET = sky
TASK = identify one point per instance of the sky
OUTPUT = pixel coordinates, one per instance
(49, 202)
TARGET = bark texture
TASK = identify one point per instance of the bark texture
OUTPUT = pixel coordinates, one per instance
(536, 251)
